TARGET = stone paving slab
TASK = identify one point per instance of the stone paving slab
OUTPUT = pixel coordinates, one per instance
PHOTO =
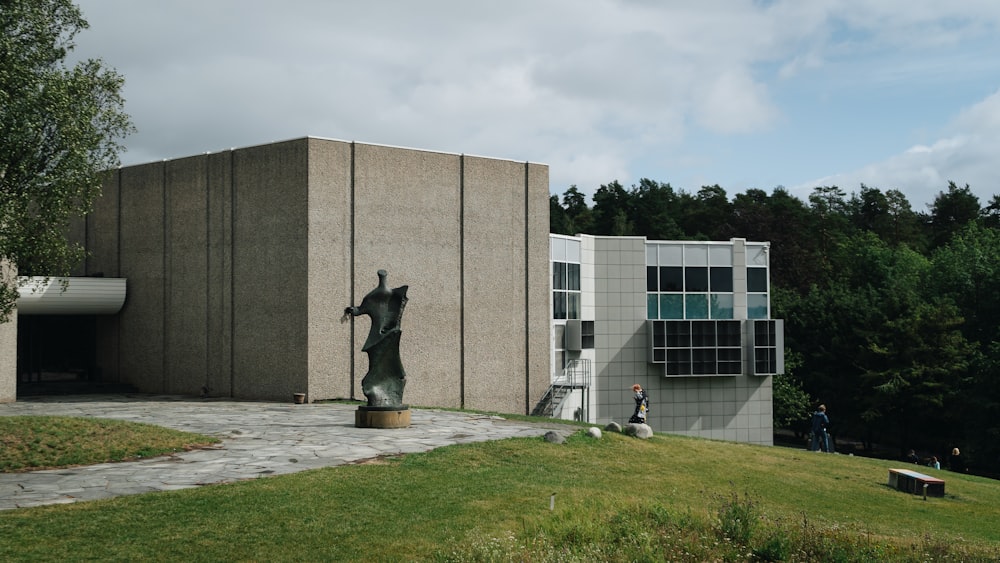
(258, 439)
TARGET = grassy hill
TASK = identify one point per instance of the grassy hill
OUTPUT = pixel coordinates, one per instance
(615, 499)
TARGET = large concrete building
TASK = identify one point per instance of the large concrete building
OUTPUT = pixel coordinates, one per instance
(239, 265)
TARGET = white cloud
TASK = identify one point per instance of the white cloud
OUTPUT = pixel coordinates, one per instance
(597, 90)
(967, 155)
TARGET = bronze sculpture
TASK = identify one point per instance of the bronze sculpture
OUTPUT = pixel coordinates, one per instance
(383, 384)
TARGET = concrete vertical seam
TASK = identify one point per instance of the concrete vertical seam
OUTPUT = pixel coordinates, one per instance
(351, 373)
(164, 264)
(527, 292)
(208, 275)
(461, 280)
(232, 273)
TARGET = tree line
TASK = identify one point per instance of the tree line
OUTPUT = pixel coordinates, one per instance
(891, 314)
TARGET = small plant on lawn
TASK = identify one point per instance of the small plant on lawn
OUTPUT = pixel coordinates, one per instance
(738, 518)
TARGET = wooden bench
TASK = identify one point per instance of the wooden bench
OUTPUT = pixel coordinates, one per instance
(916, 483)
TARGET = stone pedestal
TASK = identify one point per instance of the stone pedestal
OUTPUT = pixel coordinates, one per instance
(382, 417)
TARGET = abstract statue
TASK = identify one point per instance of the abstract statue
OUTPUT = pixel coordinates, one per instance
(384, 382)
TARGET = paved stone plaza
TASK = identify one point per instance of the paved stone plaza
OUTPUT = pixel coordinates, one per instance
(258, 439)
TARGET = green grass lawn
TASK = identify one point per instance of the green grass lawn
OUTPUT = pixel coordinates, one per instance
(616, 499)
(37, 442)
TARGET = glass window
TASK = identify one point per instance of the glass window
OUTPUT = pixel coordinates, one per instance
(572, 250)
(558, 275)
(671, 254)
(695, 279)
(721, 279)
(671, 278)
(696, 305)
(671, 306)
(722, 305)
(757, 280)
(557, 248)
(652, 284)
(573, 277)
(572, 305)
(757, 306)
(720, 255)
(652, 306)
(558, 305)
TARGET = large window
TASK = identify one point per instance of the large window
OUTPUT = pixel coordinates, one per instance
(768, 347)
(697, 348)
(565, 260)
(693, 281)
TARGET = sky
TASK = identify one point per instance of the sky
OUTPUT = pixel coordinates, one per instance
(892, 94)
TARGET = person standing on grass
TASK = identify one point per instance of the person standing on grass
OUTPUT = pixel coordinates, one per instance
(641, 405)
(820, 423)
(956, 463)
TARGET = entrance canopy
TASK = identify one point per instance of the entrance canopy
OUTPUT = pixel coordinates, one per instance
(70, 296)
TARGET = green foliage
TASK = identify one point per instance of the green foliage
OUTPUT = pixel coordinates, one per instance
(790, 403)
(890, 315)
(60, 128)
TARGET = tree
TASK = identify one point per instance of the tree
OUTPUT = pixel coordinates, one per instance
(612, 210)
(952, 211)
(60, 127)
(577, 212)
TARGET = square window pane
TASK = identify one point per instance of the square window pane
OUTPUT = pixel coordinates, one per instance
(670, 254)
(696, 306)
(671, 306)
(757, 280)
(558, 305)
(671, 278)
(729, 333)
(720, 255)
(721, 279)
(722, 305)
(764, 333)
(703, 334)
(572, 305)
(573, 277)
(558, 275)
(695, 279)
(652, 306)
(696, 255)
(572, 250)
(557, 248)
(678, 334)
(757, 306)
(650, 254)
(652, 283)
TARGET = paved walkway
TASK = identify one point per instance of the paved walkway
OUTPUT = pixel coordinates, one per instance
(258, 439)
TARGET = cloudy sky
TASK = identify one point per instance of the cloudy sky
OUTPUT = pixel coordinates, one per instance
(895, 94)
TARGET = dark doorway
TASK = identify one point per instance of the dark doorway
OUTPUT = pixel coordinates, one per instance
(56, 353)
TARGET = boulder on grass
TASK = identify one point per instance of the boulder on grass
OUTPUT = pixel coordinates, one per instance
(594, 432)
(613, 427)
(638, 430)
(554, 437)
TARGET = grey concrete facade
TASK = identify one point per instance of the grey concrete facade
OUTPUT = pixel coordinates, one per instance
(240, 263)
(613, 288)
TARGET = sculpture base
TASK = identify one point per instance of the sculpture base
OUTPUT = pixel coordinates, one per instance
(382, 417)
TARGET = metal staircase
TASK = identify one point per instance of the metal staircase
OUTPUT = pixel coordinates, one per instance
(575, 375)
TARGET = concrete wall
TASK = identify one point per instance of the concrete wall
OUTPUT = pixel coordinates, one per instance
(8, 347)
(240, 264)
(329, 269)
